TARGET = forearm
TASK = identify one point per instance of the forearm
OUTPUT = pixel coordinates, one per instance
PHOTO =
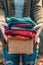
(38, 15)
(2, 15)
(38, 12)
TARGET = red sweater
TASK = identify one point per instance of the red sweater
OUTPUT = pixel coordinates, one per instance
(20, 32)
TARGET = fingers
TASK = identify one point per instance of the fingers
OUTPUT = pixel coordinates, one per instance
(2, 30)
(38, 33)
(38, 26)
(3, 23)
(37, 40)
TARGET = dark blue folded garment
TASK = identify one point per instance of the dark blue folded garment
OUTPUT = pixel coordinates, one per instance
(14, 23)
(27, 26)
(30, 26)
(23, 25)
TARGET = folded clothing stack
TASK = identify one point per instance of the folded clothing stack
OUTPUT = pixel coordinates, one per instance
(20, 28)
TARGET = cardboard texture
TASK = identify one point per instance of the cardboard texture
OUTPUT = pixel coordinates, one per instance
(20, 46)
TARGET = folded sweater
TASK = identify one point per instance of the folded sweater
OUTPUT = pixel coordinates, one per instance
(17, 37)
(23, 29)
(20, 32)
(26, 20)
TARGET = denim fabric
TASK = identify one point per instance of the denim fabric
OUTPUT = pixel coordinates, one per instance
(19, 6)
(11, 59)
(27, 58)
(14, 58)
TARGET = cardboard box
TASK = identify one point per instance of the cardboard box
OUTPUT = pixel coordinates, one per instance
(20, 46)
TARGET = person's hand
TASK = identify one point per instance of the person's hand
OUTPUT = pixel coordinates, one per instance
(4, 24)
(2, 27)
(39, 28)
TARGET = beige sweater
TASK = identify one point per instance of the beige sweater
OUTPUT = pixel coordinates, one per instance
(37, 11)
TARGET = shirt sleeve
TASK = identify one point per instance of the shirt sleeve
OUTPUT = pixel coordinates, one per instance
(37, 11)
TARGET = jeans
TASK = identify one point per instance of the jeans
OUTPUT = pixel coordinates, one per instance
(13, 59)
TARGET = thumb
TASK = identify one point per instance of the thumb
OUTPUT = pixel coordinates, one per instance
(38, 33)
(3, 23)
(38, 26)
